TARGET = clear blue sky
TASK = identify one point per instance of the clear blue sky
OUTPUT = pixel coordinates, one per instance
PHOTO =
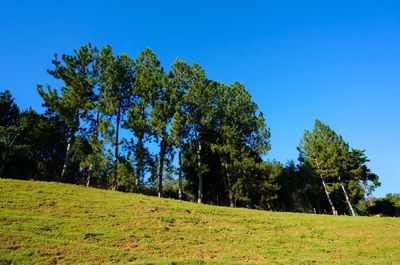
(338, 61)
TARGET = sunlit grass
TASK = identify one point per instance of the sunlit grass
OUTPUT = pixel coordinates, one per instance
(53, 223)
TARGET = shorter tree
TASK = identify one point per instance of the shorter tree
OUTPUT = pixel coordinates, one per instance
(318, 149)
(9, 111)
(337, 166)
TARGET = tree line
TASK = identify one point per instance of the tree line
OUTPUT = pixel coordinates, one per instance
(126, 124)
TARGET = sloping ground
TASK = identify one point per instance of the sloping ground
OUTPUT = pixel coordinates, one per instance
(53, 223)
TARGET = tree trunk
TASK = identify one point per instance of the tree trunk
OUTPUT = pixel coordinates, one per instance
(231, 200)
(180, 193)
(200, 174)
(116, 153)
(68, 154)
(139, 163)
(347, 198)
(230, 193)
(334, 212)
(161, 166)
(96, 137)
(1, 169)
(89, 175)
(140, 155)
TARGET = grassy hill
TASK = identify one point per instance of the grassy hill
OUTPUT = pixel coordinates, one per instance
(53, 223)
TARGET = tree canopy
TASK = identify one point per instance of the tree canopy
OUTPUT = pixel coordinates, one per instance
(127, 124)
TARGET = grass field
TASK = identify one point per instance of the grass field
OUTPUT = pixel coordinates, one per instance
(52, 223)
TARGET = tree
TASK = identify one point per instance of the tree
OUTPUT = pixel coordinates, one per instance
(343, 151)
(45, 139)
(9, 111)
(96, 162)
(180, 74)
(200, 102)
(387, 206)
(318, 149)
(116, 80)
(10, 149)
(10, 133)
(163, 108)
(331, 159)
(357, 177)
(260, 189)
(147, 81)
(243, 139)
(299, 189)
(30, 139)
(78, 74)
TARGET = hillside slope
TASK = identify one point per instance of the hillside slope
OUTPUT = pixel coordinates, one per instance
(53, 223)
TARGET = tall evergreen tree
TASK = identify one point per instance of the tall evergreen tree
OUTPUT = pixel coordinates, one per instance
(163, 108)
(318, 149)
(78, 74)
(148, 80)
(200, 104)
(331, 158)
(116, 81)
(243, 139)
(180, 74)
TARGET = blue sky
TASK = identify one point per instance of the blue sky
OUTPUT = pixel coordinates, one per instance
(338, 61)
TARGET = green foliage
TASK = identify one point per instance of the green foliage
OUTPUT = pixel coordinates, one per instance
(9, 111)
(387, 206)
(300, 190)
(126, 177)
(321, 148)
(148, 80)
(78, 73)
(167, 219)
(102, 126)
(31, 140)
(46, 140)
(339, 167)
(12, 150)
(116, 78)
(242, 139)
(181, 110)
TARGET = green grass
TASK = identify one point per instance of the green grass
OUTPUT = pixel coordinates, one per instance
(53, 223)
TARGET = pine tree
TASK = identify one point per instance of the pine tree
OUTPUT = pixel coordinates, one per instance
(180, 74)
(148, 80)
(333, 160)
(163, 107)
(9, 111)
(200, 105)
(243, 139)
(318, 149)
(116, 81)
(78, 74)
(356, 180)
(96, 162)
